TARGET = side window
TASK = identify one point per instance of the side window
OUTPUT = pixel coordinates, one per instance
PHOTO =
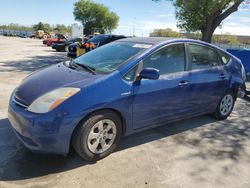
(224, 58)
(170, 59)
(130, 76)
(202, 57)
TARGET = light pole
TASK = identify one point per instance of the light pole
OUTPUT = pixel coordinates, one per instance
(134, 27)
(220, 38)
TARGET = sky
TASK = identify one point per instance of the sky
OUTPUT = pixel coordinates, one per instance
(146, 15)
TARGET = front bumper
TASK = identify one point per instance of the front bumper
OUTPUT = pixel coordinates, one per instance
(42, 133)
(53, 46)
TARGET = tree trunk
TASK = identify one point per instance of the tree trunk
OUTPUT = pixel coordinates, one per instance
(216, 20)
(207, 36)
(207, 32)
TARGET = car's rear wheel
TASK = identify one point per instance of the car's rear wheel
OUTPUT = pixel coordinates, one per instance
(98, 136)
(225, 106)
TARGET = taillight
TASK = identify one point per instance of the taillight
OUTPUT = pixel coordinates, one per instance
(92, 46)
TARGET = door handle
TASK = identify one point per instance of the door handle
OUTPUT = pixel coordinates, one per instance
(222, 76)
(183, 83)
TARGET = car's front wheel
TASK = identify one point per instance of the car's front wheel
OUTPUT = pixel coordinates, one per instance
(98, 136)
(225, 106)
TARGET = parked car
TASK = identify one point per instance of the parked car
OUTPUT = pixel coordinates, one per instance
(72, 49)
(31, 34)
(9, 33)
(22, 34)
(61, 46)
(121, 88)
(92, 43)
(56, 38)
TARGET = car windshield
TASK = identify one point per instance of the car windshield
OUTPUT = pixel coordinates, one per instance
(99, 38)
(109, 57)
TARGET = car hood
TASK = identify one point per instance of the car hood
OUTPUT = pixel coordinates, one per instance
(48, 79)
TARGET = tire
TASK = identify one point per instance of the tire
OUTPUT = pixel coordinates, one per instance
(97, 136)
(225, 106)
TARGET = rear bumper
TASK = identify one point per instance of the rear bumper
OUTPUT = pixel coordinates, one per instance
(71, 54)
(59, 47)
(42, 133)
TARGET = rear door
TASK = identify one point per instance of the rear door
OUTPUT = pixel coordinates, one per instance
(208, 77)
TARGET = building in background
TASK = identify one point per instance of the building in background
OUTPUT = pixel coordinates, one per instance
(76, 30)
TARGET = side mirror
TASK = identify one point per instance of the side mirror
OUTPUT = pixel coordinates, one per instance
(149, 73)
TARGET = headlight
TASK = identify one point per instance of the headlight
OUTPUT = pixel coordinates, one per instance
(51, 100)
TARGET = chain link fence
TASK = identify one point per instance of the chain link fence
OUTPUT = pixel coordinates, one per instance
(233, 46)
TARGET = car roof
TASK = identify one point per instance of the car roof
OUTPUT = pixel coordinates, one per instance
(105, 36)
(149, 40)
(158, 40)
(100, 35)
(155, 41)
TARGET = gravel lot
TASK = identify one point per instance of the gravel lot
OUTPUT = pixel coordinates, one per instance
(199, 152)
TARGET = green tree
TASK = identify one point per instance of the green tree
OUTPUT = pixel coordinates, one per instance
(204, 15)
(58, 28)
(165, 33)
(39, 26)
(110, 22)
(61, 28)
(47, 27)
(13, 26)
(94, 16)
(42, 26)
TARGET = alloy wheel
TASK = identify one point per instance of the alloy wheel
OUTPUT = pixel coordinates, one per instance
(226, 104)
(101, 136)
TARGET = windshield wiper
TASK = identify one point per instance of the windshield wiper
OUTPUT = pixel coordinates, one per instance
(75, 65)
(90, 69)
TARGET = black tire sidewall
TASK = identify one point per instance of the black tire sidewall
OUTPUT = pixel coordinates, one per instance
(81, 137)
(217, 113)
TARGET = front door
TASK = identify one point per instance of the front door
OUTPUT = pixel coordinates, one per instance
(159, 101)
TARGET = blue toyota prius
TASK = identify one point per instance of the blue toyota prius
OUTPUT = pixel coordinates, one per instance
(121, 88)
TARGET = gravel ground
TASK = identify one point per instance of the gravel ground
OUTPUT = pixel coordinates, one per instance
(199, 152)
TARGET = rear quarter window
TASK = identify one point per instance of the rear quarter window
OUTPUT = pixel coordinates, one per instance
(224, 58)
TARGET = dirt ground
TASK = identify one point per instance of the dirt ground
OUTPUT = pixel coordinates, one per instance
(199, 152)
